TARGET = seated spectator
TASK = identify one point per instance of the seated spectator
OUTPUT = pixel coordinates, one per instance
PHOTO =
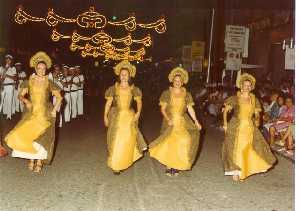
(280, 102)
(272, 110)
(284, 87)
(286, 118)
(288, 138)
(262, 92)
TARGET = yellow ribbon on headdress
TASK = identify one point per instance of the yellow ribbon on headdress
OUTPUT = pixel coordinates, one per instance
(38, 57)
(125, 65)
(245, 77)
(179, 71)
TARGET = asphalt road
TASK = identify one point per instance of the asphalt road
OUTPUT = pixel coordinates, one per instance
(79, 179)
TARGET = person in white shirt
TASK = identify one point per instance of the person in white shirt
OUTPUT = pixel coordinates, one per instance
(67, 87)
(80, 91)
(55, 76)
(8, 75)
(21, 77)
(74, 91)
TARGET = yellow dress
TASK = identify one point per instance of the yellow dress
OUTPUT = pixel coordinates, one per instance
(245, 151)
(33, 136)
(246, 158)
(177, 145)
(125, 142)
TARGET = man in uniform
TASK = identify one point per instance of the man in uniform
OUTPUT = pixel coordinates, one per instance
(21, 77)
(80, 91)
(8, 75)
(56, 78)
(66, 84)
(74, 91)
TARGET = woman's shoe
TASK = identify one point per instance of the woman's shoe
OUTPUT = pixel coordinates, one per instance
(38, 166)
(31, 165)
(117, 172)
(236, 178)
(168, 172)
(174, 172)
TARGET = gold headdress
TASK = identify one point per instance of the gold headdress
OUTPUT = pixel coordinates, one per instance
(246, 77)
(179, 71)
(38, 57)
(127, 65)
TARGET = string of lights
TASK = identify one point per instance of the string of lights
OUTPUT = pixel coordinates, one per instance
(89, 19)
(109, 51)
(102, 38)
(101, 43)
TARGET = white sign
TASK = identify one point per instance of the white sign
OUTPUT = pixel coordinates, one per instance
(233, 60)
(235, 38)
(289, 59)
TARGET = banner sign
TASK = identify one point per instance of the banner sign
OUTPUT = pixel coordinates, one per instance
(235, 38)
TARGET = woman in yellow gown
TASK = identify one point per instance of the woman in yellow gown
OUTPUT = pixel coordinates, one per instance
(33, 137)
(177, 146)
(245, 151)
(124, 139)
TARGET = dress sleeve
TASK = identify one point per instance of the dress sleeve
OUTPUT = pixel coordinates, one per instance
(164, 98)
(109, 93)
(137, 93)
(189, 99)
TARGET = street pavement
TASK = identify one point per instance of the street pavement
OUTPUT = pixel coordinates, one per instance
(79, 179)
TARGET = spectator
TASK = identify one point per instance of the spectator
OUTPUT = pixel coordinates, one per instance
(288, 139)
(285, 119)
(272, 110)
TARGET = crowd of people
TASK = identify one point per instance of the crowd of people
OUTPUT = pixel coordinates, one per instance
(279, 116)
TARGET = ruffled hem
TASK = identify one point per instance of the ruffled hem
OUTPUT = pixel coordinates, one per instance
(40, 155)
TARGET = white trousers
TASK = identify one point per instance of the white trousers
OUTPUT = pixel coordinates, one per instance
(18, 104)
(74, 96)
(13, 107)
(7, 99)
(80, 102)
(67, 111)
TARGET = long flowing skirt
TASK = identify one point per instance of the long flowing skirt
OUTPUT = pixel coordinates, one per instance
(244, 158)
(125, 142)
(177, 146)
(32, 138)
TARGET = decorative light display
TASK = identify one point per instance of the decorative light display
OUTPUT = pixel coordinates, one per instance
(101, 43)
(90, 19)
(101, 38)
